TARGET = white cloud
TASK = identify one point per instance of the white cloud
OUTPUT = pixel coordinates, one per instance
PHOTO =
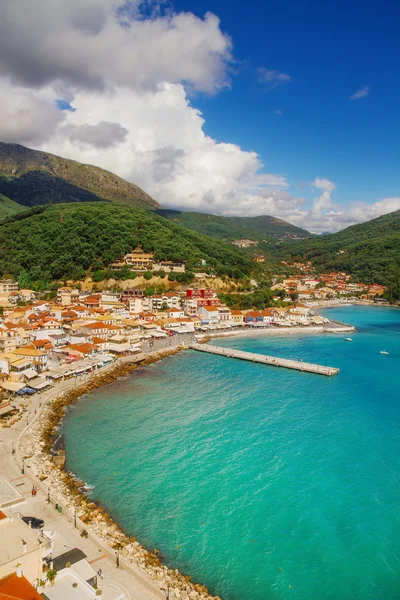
(90, 43)
(163, 149)
(323, 184)
(272, 78)
(101, 135)
(361, 93)
(26, 117)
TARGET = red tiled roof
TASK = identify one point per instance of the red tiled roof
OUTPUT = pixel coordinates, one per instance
(13, 587)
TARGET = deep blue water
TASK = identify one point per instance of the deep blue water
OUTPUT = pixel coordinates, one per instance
(262, 483)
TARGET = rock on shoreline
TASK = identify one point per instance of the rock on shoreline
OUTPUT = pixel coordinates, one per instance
(35, 447)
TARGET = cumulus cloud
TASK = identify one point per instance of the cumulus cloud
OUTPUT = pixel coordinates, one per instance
(361, 93)
(101, 135)
(326, 215)
(164, 149)
(272, 78)
(95, 43)
(26, 117)
(124, 76)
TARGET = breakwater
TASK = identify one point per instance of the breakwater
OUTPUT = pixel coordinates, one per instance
(265, 359)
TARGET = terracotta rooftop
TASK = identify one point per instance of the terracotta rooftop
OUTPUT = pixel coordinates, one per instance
(13, 587)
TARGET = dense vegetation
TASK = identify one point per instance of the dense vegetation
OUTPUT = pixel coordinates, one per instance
(233, 228)
(259, 299)
(31, 178)
(8, 207)
(369, 251)
(64, 241)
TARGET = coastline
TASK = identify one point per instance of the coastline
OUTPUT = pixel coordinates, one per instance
(35, 443)
(34, 447)
(273, 331)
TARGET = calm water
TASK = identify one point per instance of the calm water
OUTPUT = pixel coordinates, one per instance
(260, 482)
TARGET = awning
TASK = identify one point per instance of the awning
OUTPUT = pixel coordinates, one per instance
(5, 410)
(12, 386)
(39, 384)
(53, 375)
(30, 373)
(26, 390)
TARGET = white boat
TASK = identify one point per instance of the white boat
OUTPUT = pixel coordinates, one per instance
(383, 352)
(348, 339)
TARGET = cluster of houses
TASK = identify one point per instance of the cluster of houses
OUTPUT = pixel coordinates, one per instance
(44, 341)
(309, 286)
(35, 564)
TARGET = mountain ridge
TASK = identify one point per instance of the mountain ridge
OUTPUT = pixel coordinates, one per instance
(33, 177)
(260, 228)
(370, 251)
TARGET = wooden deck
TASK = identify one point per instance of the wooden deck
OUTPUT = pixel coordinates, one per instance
(266, 360)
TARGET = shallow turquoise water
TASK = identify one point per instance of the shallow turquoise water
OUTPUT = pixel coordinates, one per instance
(254, 478)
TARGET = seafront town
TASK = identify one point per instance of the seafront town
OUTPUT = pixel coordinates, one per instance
(45, 341)
(58, 544)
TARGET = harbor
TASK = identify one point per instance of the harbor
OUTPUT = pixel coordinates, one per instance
(265, 359)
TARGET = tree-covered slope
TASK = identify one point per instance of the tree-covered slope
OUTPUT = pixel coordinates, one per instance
(369, 251)
(31, 178)
(8, 207)
(231, 228)
(64, 241)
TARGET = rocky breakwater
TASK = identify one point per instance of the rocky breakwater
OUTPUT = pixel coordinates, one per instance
(35, 447)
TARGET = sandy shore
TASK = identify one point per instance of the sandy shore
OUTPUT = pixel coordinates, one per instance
(34, 445)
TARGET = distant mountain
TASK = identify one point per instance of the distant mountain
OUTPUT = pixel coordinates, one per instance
(369, 251)
(65, 240)
(31, 177)
(263, 228)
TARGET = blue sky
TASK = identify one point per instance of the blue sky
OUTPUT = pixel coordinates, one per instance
(330, 50)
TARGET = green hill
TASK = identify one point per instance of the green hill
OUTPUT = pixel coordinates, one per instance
(8, 207)
(64, 241)
(30, 177)
(262, 228)
(368, 251)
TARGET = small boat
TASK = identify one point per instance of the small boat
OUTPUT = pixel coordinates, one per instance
(383, 352)
(348, 339)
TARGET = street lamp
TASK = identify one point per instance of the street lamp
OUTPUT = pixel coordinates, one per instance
(117, 556)
(75, 518)
(23, 467)
(166, 590)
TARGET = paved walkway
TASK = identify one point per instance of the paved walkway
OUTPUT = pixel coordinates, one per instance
(133, 582)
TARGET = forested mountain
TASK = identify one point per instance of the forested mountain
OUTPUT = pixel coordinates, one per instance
(31, 178)
(233, 228)
(369, 251)
(65, 240)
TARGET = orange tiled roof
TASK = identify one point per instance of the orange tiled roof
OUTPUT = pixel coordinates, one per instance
(13, 587)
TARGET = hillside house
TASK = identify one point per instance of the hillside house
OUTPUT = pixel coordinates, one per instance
(137, 260)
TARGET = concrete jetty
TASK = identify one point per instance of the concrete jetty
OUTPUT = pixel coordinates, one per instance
(266, 360)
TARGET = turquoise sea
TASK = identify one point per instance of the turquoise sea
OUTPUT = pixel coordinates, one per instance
(261, 483)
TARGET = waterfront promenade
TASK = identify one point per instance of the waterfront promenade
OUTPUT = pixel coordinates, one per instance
(265, 359)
